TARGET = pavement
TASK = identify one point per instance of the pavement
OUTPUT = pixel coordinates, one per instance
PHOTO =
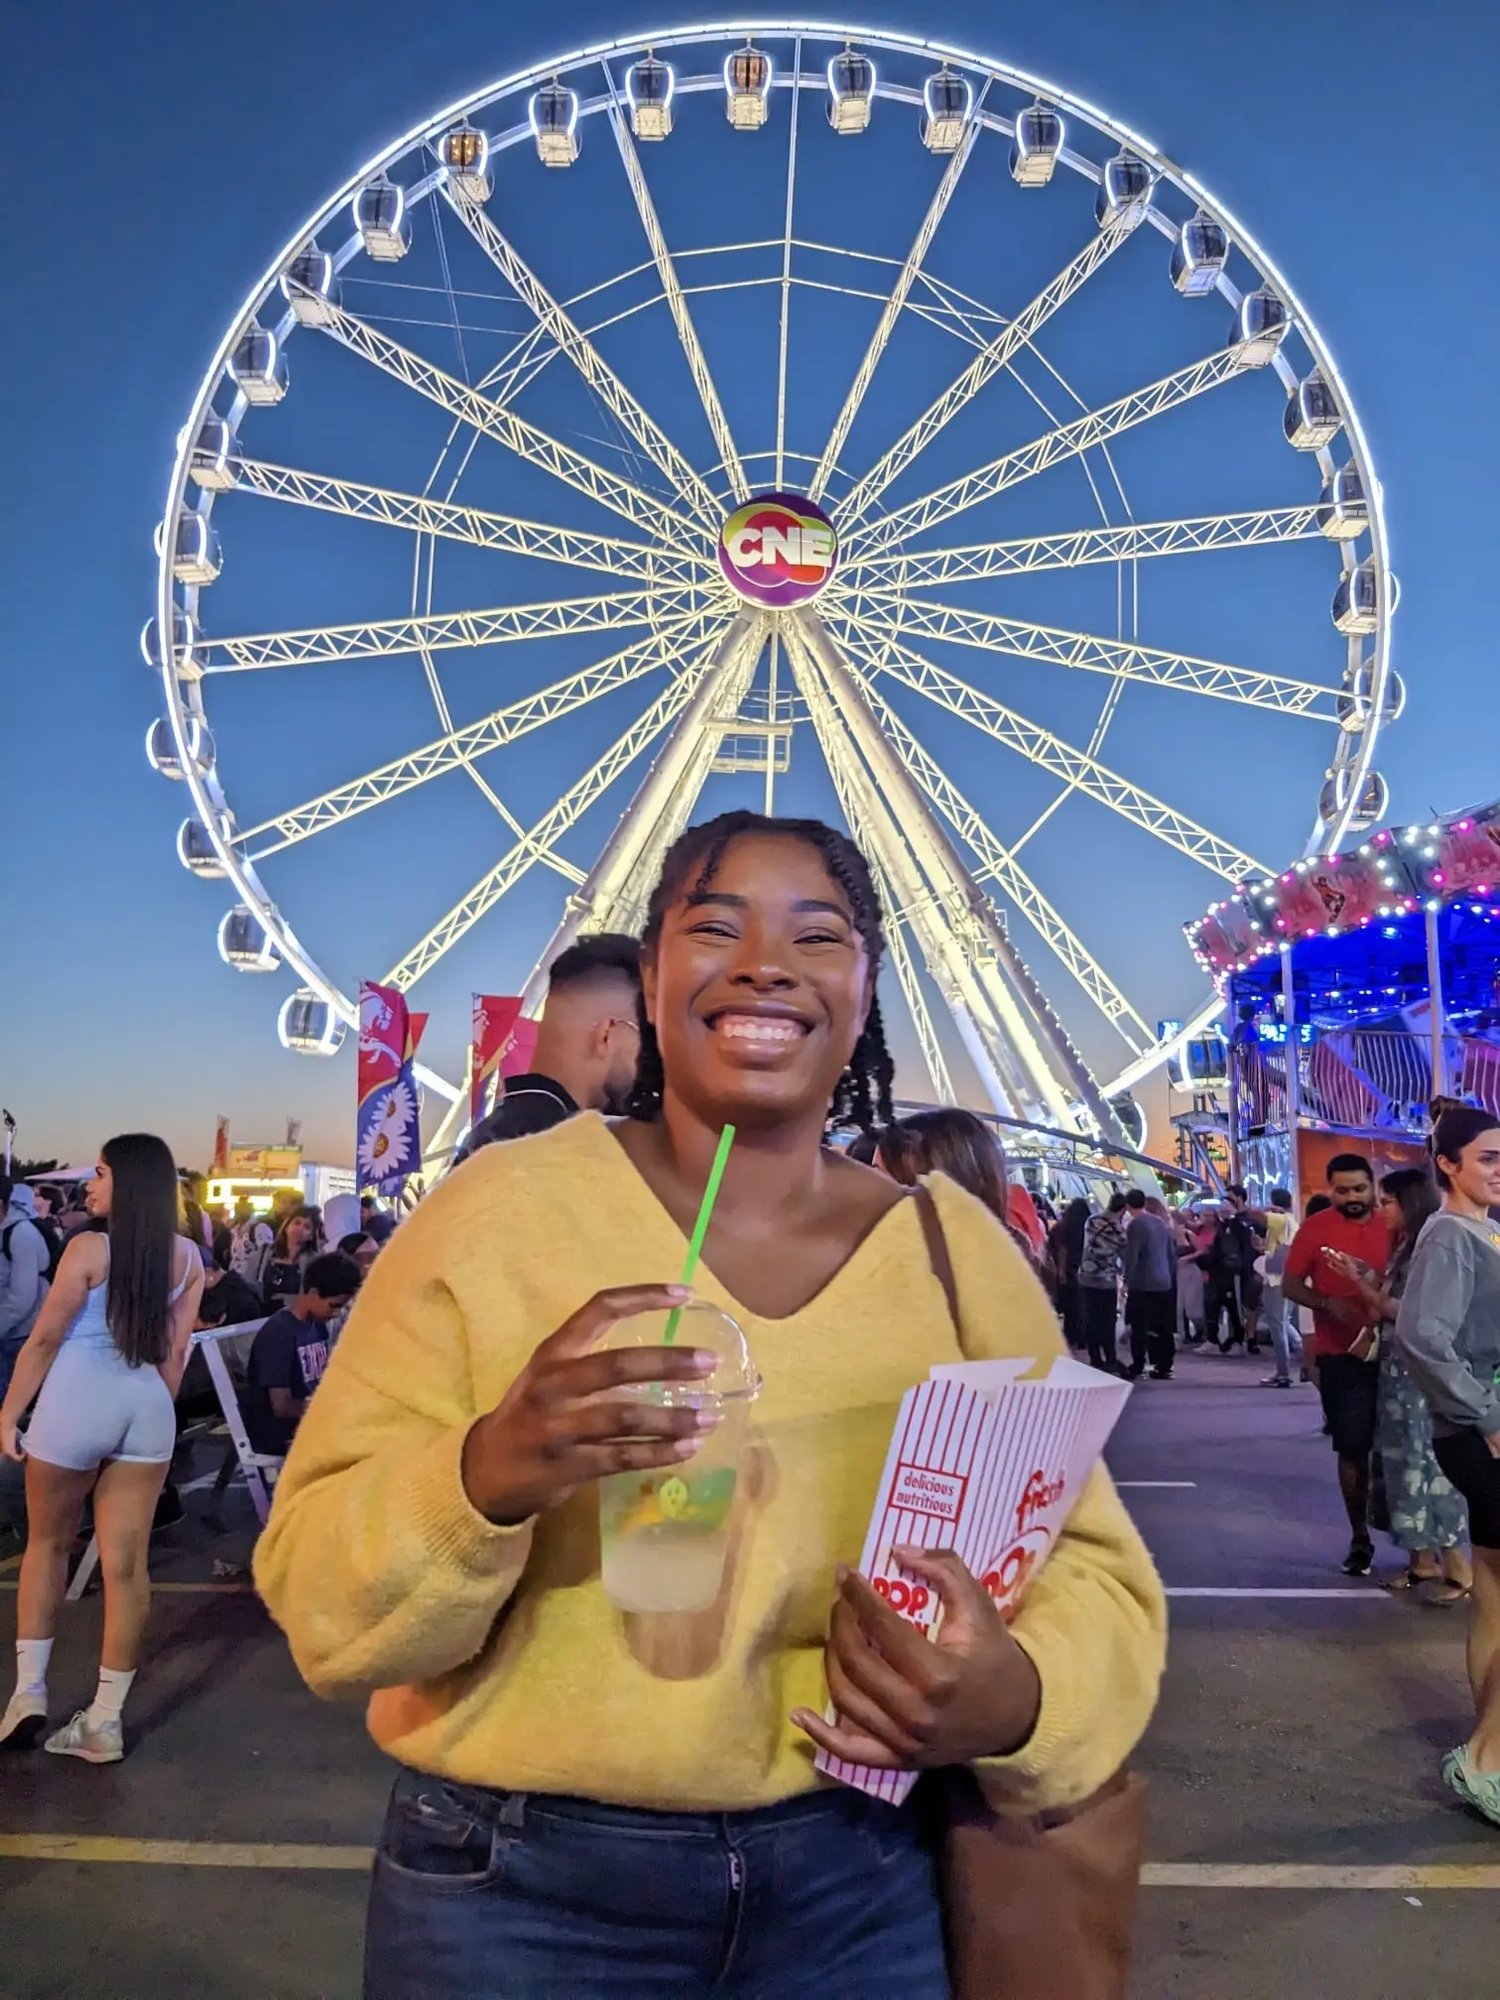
(1301, 1843)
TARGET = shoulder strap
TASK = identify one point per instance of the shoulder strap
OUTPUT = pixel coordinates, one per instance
(938, 1255)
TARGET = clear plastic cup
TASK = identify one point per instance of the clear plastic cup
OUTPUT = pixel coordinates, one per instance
(664, 1534)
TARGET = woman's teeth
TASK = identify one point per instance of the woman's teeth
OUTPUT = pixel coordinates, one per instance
(741, 1028)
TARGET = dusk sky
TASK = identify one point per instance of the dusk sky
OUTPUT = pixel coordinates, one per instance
(172, 149)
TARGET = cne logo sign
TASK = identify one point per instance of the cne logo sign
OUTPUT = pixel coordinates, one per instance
(778, 550)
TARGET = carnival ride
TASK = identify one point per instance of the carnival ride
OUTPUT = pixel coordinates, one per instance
(765, 590)
(1360, 987)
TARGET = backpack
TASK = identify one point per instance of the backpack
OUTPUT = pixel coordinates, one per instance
(250, 1252)
(1232, 1251)
(49, 1239)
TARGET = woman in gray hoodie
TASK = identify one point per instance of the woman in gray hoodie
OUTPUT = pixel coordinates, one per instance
(1448, 1330)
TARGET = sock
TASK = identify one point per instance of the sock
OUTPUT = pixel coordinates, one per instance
(32, 1656)
(109, 1700)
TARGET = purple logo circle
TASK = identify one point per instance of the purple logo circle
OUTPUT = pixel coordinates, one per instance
(778, 549)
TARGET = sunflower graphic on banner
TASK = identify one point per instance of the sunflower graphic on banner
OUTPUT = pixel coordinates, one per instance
(388, 1141)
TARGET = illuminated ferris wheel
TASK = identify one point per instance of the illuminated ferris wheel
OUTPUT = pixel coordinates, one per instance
(731, 394)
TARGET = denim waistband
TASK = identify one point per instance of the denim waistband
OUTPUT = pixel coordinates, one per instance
(492, 1806)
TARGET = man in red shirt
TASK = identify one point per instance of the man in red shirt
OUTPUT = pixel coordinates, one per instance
(1347, 1373)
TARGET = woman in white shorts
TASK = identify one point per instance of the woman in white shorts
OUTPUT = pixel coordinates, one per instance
(103, 1363)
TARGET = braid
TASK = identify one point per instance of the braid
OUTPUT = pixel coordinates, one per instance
(862, 1096)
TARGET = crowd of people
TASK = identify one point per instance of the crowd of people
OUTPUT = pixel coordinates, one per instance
(101, 1292)
(434, 1538)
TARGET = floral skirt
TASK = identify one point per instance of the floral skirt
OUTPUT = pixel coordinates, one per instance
(1426, 1512)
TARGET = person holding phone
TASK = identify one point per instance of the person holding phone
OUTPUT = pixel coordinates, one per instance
(589, 1801)
(1448, 1330)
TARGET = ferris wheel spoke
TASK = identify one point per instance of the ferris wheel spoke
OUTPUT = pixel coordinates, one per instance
(613, 554)
(1065, 441)
(1052, 753)
(1028, 1049)
(571, 807)
(1092, 653)
(527, 440)
(895, 933)
(986, 364)
(668, 647)
(1001, 867)
(586, 358)
(1127, 543)
(315, 644)
(682, 319)
(891, 311)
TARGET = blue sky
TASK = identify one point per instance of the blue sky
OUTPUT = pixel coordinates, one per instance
(1356, 142)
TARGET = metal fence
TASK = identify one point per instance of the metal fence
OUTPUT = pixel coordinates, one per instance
(1370, 1079)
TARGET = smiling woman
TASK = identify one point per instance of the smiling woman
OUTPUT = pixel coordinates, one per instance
(594, 1801)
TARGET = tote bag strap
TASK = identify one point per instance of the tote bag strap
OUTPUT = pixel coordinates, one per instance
(938, 1254)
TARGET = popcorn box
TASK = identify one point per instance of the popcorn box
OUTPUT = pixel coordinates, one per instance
(989, 1467)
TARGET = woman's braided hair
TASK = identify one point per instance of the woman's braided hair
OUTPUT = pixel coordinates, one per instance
(862, 1096)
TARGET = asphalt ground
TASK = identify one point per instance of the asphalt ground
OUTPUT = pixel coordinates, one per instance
(1301, 1842)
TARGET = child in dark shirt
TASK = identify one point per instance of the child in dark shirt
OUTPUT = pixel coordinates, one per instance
(290, 1353)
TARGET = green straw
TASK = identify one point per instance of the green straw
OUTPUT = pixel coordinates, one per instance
(700, 1227)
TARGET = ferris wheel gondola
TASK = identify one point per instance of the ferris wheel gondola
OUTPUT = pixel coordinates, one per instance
(747, 594)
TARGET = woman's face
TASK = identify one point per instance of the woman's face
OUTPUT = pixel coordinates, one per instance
(99, 1192)
(298, 1234)
(1390, 1210)
(759, 987)
(1476, 1171)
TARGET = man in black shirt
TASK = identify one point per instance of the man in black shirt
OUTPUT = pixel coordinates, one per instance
(227, 1300)
(588, 1043)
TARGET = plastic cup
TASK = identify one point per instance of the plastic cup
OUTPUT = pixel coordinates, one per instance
(664, 1534)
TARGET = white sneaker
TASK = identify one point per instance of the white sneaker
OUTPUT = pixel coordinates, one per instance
(24, 1720)
(94, 1742)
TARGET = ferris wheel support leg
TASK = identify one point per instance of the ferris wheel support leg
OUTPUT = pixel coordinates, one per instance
(668, 785)
(1056, 1071)
(994, 1059)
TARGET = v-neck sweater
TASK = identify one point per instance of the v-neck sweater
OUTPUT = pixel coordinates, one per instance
(492, 1656)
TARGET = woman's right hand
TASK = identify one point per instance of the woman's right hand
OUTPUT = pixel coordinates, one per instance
(10, 1440)
(570, 1417)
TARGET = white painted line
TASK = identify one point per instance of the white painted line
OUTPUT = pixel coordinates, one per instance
(1349, 1595)
(1298, 1875)
(1156, 1485)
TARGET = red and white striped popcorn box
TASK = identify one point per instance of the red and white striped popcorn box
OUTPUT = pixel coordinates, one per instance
(989, 1467)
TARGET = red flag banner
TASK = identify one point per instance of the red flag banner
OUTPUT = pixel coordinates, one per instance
(520, 1049)
(495, 1019)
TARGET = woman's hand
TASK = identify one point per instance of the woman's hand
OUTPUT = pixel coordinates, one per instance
(906, 1701)
(10, 1440)
(570, 1416)
(1492, 1439)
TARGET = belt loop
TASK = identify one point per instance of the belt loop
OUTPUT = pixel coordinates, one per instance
(513, 1811)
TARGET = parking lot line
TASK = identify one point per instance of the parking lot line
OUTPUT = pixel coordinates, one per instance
(253, 1854)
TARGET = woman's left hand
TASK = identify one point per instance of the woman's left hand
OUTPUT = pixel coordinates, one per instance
(10, 1440)
(906, 1701)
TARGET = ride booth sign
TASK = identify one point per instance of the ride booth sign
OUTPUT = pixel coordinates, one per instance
(988, 1466)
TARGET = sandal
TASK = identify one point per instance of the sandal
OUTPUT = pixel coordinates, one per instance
(1447, 1593)
(1408, 1579)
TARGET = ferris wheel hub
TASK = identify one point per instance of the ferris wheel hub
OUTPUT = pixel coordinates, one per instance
(778, 550)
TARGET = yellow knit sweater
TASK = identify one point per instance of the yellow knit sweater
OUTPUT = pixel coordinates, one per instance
(492, 1656)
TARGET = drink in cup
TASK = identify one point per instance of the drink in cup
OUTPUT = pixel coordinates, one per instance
(664, 1534)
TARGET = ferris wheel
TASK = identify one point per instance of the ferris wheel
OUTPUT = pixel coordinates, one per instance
(694, 402)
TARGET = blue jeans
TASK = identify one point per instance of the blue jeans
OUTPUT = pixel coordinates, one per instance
(481, 1895)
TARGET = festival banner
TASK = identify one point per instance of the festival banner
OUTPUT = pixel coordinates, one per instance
(221, 1147)
(388, 1135)
(495, 1018)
